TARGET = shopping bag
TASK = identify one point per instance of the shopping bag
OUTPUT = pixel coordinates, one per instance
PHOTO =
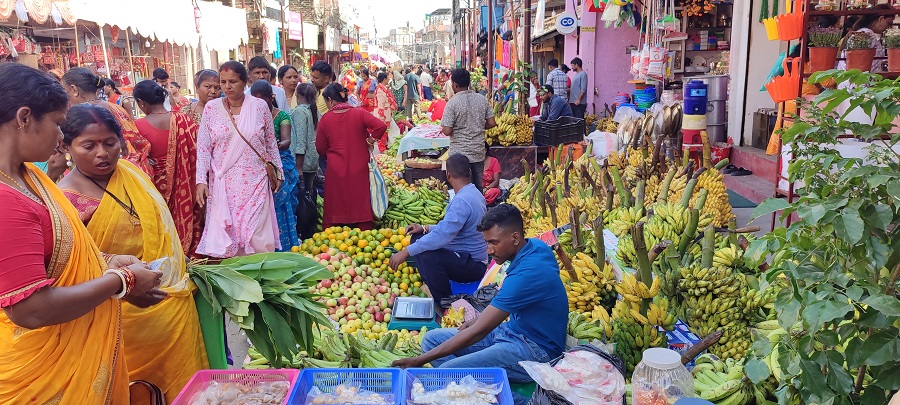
(377, 189)
(307, 215)
(393, 132)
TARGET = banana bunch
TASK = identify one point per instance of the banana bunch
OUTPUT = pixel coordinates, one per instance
(453, 318)
(715, 299)
(588, 246)
(538, 225)
(331, 346)
(581, 328)
(506, 132)
(524, 130)
(717, 203)
(377, 358)
(721, 382)
(620, 220)
(633, 330)
(432, 183)
(423, 206)
(631, 338)
(582, 296)
(606, 124)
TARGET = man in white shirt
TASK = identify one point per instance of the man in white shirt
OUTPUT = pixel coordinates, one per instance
(161, 77)
(259, 70)
(426, 80)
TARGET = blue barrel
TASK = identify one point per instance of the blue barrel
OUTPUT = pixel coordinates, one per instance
(695, 98)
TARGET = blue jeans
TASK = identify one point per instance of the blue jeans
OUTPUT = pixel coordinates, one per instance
(500, 348)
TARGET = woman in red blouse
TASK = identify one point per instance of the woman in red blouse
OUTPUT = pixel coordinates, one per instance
(60, 326)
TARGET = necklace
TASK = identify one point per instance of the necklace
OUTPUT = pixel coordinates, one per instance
(158, 113)
(22, 189)
(228, 104)
(129, 208)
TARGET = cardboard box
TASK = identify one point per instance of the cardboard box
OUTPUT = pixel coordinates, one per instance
(681, 338)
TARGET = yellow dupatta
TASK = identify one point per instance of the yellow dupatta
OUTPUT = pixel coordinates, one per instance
(163, 343)
(78, 362)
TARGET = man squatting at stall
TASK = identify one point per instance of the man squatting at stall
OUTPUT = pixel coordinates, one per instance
(532, 297)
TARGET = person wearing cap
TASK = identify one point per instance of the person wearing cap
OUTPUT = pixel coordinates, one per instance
(554, 105)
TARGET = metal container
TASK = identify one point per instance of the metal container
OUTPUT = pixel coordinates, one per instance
(716, 86)
(716, 112)
(717, 133)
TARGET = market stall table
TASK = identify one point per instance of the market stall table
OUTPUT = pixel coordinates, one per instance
(426, 136)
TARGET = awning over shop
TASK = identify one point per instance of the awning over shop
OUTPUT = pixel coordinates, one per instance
(38, 11)
(164, 20)
(222, 27)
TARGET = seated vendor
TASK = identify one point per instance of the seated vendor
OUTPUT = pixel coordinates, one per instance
(453, 249)
(491, 178)
(532, 297)
(554, 106)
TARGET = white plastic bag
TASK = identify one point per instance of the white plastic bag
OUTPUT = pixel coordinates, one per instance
(393, 132)
(604, 143)
(581, 377)
(467, 392)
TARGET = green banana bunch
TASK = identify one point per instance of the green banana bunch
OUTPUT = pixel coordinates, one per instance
(377, 359)
(721, 382)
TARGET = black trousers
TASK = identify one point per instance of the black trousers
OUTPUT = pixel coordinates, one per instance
(438, 267)
(578, 110)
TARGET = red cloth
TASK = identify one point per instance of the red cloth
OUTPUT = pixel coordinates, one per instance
(341, 138)
(437, 109)
(367, 103)
(491, 170)
(158, 138)
(26, 234)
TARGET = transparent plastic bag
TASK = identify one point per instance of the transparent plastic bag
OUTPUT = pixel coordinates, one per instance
(348, 393)
(467, 392)
(581, 377)
(231, 393)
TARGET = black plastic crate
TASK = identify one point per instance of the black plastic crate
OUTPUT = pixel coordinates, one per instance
(561, 131)
(411, 175)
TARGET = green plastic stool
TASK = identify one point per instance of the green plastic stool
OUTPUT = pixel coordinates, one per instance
(526, 390)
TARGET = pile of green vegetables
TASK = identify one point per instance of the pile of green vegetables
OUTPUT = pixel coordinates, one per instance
(268, 296)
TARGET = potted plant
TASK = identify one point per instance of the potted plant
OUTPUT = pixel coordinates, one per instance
(823, 48)
(860, 51)
(892, 44)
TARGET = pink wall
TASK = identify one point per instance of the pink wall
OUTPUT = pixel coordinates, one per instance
(603, 52)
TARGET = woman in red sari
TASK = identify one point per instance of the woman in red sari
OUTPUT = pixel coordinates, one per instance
(82, 86)
(366, 95)
(345, 136)
(173, 152)
(385, 105)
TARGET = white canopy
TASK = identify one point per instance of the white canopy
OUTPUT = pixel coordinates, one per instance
(222, 27)
(164, 20)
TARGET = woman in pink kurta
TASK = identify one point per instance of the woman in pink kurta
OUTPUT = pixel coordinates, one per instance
(231, 178)
(345, 135)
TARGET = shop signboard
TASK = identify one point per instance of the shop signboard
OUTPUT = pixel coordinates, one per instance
(295, 26)
(566, 23)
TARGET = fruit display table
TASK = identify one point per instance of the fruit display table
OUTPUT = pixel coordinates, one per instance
(426, 136)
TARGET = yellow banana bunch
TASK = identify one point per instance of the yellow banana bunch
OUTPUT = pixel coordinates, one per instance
(717, 203)
(453, 318)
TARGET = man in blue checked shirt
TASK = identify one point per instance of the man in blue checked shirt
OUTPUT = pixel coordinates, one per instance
(557, 79)
(453, 249)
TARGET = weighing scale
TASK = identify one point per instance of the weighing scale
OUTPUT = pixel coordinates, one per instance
(412, 313)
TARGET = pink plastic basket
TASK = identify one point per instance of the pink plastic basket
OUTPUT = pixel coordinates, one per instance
(247, 377)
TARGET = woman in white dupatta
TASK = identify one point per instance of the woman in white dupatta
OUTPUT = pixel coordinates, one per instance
(231, 177)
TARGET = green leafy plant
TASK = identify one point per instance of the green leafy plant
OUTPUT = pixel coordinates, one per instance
(860, 40)
(824, 37)
(840, 311)
(892, 38)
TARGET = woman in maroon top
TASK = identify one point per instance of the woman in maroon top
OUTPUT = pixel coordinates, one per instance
(345, 135)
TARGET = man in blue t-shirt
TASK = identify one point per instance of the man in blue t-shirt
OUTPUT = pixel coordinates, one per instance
(532, 297)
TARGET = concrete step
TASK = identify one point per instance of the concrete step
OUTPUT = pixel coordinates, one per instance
(753, 187)
(755, 160)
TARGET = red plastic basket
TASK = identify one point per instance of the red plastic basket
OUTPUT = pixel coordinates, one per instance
(246, 377)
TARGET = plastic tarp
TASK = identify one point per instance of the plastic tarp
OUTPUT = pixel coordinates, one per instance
(38, 11)
(164, 20)
(222, 27)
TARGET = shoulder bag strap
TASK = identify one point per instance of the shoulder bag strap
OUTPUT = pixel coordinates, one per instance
(234, 124)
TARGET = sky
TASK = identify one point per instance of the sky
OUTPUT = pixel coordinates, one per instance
(385, 15)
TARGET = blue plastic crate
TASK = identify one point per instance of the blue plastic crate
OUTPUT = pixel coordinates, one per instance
(437, 378)
(464, 288)
(384, 381)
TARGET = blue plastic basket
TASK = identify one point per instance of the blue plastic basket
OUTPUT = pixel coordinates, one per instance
(464, 288)
(384, 381)
(438, 378)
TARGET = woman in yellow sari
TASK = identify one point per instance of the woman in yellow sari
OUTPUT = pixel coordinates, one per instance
(125, 214)
(60, 328)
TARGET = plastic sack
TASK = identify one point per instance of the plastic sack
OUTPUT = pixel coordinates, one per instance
(393, 132)
(348, 393)
(584, 375)
(467, 392)
(479, 300)
(604, 143)
(625, 114)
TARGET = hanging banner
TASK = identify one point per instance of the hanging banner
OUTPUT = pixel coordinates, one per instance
(295, 26)
(498, 16)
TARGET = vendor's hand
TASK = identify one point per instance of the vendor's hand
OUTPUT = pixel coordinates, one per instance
(202, 194)
(145, 279)
(119, 261)
(415, 229)
(467, 324)
(409, 362)
(398, 258)
(151, 298)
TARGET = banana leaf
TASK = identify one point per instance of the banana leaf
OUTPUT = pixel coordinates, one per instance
(236, 285)
(279, 331)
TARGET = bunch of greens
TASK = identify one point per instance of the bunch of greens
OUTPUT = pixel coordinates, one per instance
(860, 40)
(892, 38)
(824, 37)
(842, 257)
(268, 296)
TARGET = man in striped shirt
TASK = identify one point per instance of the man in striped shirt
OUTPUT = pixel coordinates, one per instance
(557, 79)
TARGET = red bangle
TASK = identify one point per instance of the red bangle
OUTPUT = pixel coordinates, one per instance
(129, 278)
